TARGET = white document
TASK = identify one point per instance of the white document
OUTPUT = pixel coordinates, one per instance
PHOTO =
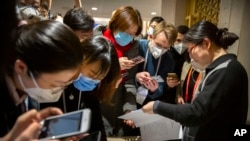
(163, 129)
(154, 127)
(140, 118)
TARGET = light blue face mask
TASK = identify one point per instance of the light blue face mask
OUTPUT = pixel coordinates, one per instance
(123, 38)
(84, 83)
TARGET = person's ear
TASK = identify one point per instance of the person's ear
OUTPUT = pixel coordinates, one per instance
(206, 43)
(20, 67)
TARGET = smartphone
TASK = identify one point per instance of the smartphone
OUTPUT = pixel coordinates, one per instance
(173, 75)
(124, 74)
(65, 125)
(94, 136)
(138, 59)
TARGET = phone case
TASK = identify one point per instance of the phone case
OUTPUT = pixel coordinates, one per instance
(138, 59)
(174, 75)
(65, 125)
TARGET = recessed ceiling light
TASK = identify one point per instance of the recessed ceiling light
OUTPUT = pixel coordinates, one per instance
(94, 8)
(153, 13)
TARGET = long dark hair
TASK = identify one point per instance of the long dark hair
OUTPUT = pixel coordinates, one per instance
(46, 46)
(205, 29)
(98, 48)
(9, 22)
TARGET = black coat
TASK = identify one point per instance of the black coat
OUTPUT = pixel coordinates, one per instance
(87, 100)
(219, 106)
(9, 111)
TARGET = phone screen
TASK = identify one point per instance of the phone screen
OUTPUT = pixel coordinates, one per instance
(61, 125)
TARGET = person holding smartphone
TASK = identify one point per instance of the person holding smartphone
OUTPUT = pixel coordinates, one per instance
(222, 98)
(27, 126)
(100, 59)
(124, 25)
(36, 69)
(158, 63)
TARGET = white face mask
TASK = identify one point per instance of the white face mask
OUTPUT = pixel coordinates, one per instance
(42, 95)
(197, 67)
(150, 31)
(156, 51)
(180, 48)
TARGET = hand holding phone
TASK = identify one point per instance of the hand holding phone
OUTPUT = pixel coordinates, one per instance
(65, 125)
(124, 74)
(138, 59)
(173, 75)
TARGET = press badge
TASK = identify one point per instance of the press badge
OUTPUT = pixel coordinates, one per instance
(158, 78)
(141, 94)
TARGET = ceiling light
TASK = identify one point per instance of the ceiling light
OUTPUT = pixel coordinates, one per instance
(94, 8)
(153, 13)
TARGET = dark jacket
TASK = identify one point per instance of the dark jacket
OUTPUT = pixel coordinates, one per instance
(166, 66)
(221, 103)
(9, 111)
(87, 100)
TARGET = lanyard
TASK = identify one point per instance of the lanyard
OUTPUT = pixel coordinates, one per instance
(196, 83)
(146, 60)
(64, 101)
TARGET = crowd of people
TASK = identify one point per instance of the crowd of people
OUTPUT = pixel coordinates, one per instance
(50, 68)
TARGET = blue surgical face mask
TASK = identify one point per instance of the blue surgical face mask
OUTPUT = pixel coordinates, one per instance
(123, 38)
(84, 83)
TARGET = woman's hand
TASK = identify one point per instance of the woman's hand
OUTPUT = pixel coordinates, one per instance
(151, 85)
(143, 77)
(129, 122)
(27, 126)
(172, 82)
(148, 108)
(125, 63)
(180, 100)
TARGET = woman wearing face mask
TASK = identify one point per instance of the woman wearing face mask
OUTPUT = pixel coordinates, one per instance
(96, 83)
(190, 77)
(124, 25)
(222, 99)
(36, 67)
(158, 62)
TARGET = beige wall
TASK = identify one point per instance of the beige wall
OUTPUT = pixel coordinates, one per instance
(174, 11)
(234, 15)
